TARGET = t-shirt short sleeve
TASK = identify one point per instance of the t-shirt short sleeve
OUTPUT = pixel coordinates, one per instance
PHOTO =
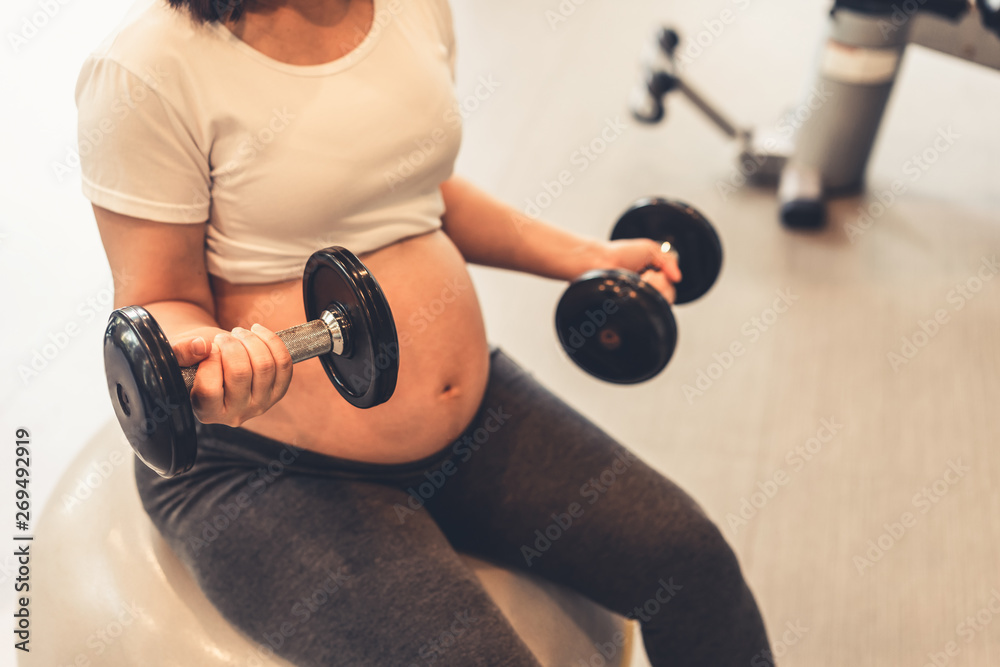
(137, 155)
(448, 32)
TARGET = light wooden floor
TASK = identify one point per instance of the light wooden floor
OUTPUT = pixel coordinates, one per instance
(823, 359)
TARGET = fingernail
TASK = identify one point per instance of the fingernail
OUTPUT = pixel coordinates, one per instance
(198, 346)
(219, 337)
(240, 332)
(257, 328)
(215, 348)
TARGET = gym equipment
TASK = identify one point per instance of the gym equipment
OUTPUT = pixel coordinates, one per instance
(661, 75)
(616, 326)
(350, 328)
(106, 569)
(825, 151)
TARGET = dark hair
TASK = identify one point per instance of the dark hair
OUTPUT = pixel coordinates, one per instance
(211, 10)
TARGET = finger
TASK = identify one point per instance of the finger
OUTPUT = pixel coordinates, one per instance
(665, 261)
(282, 360)
(658, 281)
(237, 374)
(262, 366)
(207, 393)
(190, 351)
(671, 268)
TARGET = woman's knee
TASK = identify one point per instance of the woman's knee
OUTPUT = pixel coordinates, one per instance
(699, 561)
(718, 556)
(712, 617)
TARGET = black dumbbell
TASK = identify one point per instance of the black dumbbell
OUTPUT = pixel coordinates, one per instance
(350, 329)
(616, 326)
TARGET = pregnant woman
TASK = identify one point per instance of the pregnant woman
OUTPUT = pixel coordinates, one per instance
(222, 143)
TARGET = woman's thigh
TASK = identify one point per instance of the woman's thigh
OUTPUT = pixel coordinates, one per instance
(543, 489)
(322, 571)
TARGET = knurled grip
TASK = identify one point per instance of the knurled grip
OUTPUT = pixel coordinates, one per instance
(304, 341)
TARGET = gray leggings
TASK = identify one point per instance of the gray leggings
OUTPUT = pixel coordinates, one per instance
(338, 562)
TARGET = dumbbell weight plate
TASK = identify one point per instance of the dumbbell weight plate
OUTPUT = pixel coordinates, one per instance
(616, 327)
(147, 388)
(694, 238)
(365, 374)
(148, 393)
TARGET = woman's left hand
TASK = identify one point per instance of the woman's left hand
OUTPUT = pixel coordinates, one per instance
(639, 254)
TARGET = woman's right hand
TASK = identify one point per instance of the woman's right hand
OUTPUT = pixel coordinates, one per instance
(241, 373)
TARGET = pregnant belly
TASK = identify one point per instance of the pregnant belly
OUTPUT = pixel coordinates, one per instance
(443, 359)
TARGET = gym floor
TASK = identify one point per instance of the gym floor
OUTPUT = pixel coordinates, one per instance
(847, 452)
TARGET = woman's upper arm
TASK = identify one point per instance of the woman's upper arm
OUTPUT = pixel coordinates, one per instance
(155, 261)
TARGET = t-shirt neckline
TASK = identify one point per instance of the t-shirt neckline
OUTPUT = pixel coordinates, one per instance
(353, 57)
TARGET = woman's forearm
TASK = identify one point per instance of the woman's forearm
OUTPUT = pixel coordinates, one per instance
(182, 319)
(491, 233)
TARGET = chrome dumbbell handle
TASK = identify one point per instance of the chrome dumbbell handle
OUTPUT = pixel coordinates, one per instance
(304, 341)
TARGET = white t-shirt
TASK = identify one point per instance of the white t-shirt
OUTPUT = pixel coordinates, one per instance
(185, 123)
